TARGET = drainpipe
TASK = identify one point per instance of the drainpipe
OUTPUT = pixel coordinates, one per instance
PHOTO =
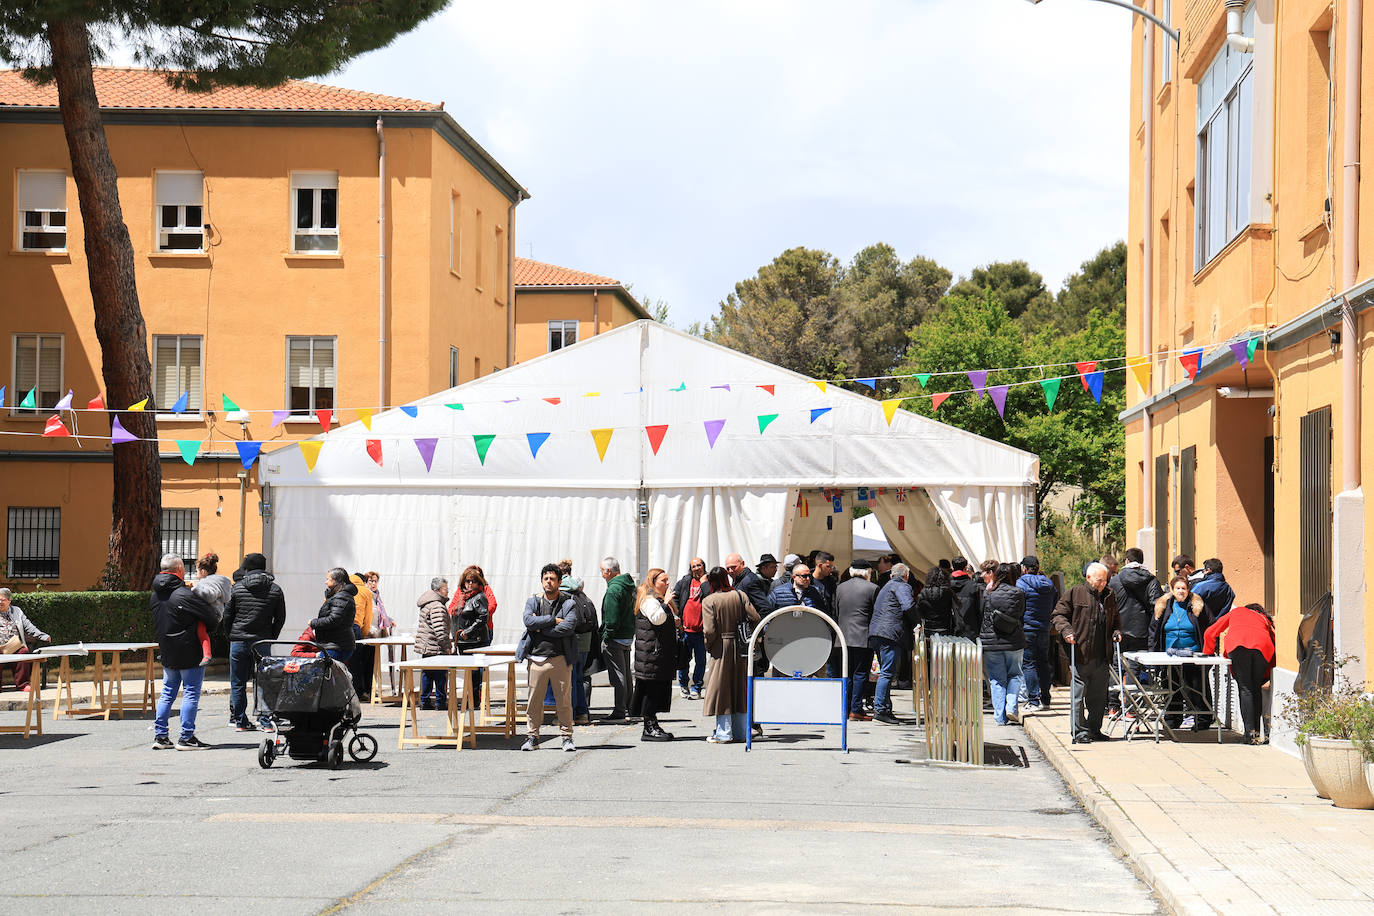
(596, 313)
(381, 265)
(1350, 249)
(1235, 36)
(1145, 538)
(510, 282)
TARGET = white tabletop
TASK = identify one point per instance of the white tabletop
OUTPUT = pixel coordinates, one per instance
(507, 648)
(458, 661)
(38, 656)
(1156, 659)
(405, 639)
(83, 648)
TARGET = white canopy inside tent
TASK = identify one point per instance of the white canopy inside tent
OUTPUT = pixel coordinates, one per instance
(868, 539)
(724, 477)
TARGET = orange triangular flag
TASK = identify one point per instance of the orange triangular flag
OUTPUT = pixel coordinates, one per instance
(310, 451)
(767, 388)
(656, 434)
(937, 399)
(554, 401)
(324, 416)
(602, 438)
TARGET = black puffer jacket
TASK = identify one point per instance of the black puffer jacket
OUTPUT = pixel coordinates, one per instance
(176, 611)
(935, 604)
(257, 608)
(968, 606)
(655, 647)
(1136, 590)
(1008, 602)
(334, 627)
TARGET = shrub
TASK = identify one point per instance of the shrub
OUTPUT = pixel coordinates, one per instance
(1343, 711)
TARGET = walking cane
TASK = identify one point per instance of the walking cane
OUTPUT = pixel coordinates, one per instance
(1121, 689)
(1073, 704)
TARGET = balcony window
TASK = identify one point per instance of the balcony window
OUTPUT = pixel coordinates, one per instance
(1225, 127)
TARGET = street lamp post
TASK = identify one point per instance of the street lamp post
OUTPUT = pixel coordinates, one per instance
(1126, 4)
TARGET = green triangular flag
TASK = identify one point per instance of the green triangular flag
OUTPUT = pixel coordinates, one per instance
(765, 419)
(1250, 349)
(188, 449)
(483, 443)
(923, 377)
(228, 404)
(28, 403)
(454, 406)
(1051, 386)
(682, 387)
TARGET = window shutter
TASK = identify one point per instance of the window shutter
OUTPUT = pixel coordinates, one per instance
(180, 188)
(42, 190)
(190, 371)
(165, 373)
(25, 365)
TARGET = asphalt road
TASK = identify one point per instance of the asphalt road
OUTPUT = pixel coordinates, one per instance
(94, 821)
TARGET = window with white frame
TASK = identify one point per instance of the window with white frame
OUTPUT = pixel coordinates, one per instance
(1225, 123)
(180, 211)
(1166, 66)
(37, 368)
(34, 543)
(562, 334)
(309, 374)
(42, 211)
(455, 231)
(452, 366)
(181, 535)
(177, 371)
(314, 212)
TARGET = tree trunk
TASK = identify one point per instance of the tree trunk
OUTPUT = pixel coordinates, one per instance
(135, 530)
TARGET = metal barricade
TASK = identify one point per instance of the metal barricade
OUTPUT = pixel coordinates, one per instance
(953, 700)
(920, 677)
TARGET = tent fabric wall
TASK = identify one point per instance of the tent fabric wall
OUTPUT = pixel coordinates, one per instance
(986, 523)
(922, 539)
(711, 523)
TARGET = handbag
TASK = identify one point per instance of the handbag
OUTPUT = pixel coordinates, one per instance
(744, 631)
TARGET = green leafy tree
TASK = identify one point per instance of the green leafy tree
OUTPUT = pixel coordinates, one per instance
(1011, 283)
(1100, 284)
(202, 46)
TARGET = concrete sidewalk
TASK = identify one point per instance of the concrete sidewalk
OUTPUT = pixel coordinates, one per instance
(1213, 828)
(12, 700)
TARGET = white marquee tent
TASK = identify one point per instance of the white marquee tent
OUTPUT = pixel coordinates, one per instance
(642, 443)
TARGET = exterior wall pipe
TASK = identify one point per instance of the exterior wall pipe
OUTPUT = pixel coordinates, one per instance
(1235, 34)
(1147, 286)
(1350, 247)
(510, 282)
(381, 265)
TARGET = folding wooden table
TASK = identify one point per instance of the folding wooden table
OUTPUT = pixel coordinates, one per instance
(107, 679)
(464, 723)
(33, 712)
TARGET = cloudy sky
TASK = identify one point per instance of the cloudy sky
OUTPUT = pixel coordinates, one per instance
(679, 147)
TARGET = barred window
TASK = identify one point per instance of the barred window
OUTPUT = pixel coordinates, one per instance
(35, 536)
(181, 535)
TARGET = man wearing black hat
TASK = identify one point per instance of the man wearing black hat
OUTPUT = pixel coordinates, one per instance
(767, 567)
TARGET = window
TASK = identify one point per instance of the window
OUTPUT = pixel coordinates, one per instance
(499, 266)
(37, 368)
(1225, 119)
(314, 212)
(455, 232)
(176, 369)
(181, 535)
(42, 211)
(1166, 61)
(34, 543)
(180, 211)
(480, 259)
(562, 334)
(452, 366)
(309, 374)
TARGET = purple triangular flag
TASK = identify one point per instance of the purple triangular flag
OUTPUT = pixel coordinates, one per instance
(998, 393)
(118, 434)
(1241, 349)
(426, 449)
(726, 387)
(713, 428)
(979, 378)
(278, 416)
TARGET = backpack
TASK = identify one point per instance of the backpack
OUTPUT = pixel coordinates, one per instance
(587, 621)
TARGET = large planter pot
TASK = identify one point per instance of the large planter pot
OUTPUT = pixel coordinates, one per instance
(1340, 767)
(1313, 774)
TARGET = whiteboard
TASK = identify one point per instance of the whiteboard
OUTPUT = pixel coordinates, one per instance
(798, 701)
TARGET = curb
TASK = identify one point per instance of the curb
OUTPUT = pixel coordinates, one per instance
(1152, 863)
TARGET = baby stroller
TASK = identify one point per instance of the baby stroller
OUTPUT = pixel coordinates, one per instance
(313, 706)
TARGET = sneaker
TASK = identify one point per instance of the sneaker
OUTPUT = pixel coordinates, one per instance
(1083, 739)
(887, 718)
(582, 720)
(268, 726)
(1014, 717)
(1030, 707)
(758, 731)
(568, 745)
(529, 745)
(696, 693)
(712, 739)
(191, 743)
(686, 694)
(859, 717)
(243, 725)
(162, 743)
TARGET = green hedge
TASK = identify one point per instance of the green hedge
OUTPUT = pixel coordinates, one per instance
(72, 617)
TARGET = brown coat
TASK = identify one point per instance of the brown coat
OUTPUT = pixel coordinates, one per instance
(726, 685)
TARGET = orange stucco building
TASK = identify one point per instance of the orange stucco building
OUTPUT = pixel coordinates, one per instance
(297, 249)
(1245, 222)
(557, 307)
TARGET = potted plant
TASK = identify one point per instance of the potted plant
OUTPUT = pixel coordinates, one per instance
(1335, 730)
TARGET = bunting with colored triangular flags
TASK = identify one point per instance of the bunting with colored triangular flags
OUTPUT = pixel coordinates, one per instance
(818, 412)
(536, 440)
(2, 396)
(682, 387)
(713, 428)
(365, 418)
(937, 399)
(135, 408)
(373, 447)
(602, 438)
(410, 410)
(325, 416)
(1239, 351)
(118, 434)
(279, 417)
(1192, 361)
(890, 408)
(55, 427)
(310, 451)
(979, 379)
(188, 449)
(1093, 381)
(998, 393)
(225, 403)
(66, 402)
(656, 434)
(1083, 369)
(1251, 347)
(449, 406)
(483, 443)
(870, 383)
(96, 403)
(182, 402)
(426, 449)
(554, 401)
(720, 387)
(29, 402)
(820, 385)
(1051, 389)
(923, 378)
(248, 452)
(1140, 368)
(764, 420)
(771, 389)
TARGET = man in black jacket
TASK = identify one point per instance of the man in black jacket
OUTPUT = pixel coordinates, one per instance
(1136, 589)
(754, 586)
(257, 610)
(176, 611)
(968, 594)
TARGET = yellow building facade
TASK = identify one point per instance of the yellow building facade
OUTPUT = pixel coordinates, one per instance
(1245, 222)
(297, 249)
(556, 307)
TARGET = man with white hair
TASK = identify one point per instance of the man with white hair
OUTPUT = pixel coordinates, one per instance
(1087, 618)
(894, 613)
(617, 634)
(176, 611)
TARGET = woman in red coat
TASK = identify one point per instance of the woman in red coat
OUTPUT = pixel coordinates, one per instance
(1250, 646)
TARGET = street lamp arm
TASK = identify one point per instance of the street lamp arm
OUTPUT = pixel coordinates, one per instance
(1126, 4)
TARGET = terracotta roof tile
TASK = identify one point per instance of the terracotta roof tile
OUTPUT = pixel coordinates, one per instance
(537, 273)
(133, 88)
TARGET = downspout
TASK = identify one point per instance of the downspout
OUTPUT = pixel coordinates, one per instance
(510, 281)
(1145, 538)
(1235, 34)
(1350, 249)
(596, 313)
(381, 265)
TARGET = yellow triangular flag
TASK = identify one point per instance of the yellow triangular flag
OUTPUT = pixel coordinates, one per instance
(890, 408)
(592, 394)
(602, 438)
(1140, 368)
(820, 385)
(365, 417)
(310, 451)
(140, 405)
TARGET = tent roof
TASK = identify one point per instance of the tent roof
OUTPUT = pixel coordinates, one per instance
(607, 389)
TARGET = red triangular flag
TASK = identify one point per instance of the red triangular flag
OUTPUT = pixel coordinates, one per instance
(554, 401)
(374, 450)
(1083, 369)
(937, 399)
(324, 416)
(1192, 361)
(768, 388)
(97, 403)
(55, 427)
(656, 436)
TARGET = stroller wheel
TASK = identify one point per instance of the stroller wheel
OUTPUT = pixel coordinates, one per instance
(267, 752)
(336, 752)
(362, 747)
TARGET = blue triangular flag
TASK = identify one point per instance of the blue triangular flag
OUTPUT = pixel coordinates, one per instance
(2, 395)
(536, 440)
(180, 405)
(818, 411)
(410, 410)
(1094, 380)
(868, 382)
(248, 451)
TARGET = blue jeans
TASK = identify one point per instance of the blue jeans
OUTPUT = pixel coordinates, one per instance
(434, 683)
(887, 672)
(1035, 665)
(1004, 679)
(188, 680)
(731, 726)
(242, 664)
(697, 643)
(860, 661)
(582, 703)
(338, 655)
